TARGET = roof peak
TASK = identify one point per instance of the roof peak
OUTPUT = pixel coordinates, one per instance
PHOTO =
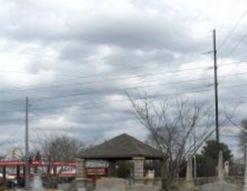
(122, 146)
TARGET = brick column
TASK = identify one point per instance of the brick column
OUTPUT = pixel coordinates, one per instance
(80, 174)
(80, 168)
(138, 168)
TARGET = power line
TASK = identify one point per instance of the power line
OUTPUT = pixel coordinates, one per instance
(239, 42)
(228, 36)
(232, 63)
(236, 45)
(88, 93)
(116, 90)
(86, 83)
(107, 79)
(193, 91)
(122, 90)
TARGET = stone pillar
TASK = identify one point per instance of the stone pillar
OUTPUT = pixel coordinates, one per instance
(80, 168)
(80, 174)
(189, 173)
(138, 169)
(220, 167)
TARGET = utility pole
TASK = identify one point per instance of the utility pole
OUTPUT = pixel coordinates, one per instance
(245, 163)
(195, 163)
(245, 149)
(216, 89)
(26, 148)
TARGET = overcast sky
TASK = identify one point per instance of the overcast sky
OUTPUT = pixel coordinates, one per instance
(75, 59)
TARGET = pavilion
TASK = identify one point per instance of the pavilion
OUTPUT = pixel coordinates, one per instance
(122, 147)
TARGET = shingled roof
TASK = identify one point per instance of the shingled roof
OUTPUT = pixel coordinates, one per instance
(122, 147)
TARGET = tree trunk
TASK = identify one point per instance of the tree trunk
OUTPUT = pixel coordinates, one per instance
(165, 180)
(166, 185)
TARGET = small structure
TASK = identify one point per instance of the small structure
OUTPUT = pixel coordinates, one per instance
(122, 147)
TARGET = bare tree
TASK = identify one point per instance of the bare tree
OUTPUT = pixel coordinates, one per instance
(243, 133)
(61, 148)
(171, 129)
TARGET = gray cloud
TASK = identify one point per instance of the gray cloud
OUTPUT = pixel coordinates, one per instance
(90, 53)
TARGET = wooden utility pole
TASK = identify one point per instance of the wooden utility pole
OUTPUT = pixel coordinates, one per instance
(245, 155)
(194, 158)
(26, 148)
(216, 88)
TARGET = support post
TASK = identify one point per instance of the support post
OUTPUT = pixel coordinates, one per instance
(55, 171)
(80, 173)
(18, 174)
(138, 169)
(4, 174)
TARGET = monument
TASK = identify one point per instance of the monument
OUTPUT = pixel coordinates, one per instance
(220, 167)
(189, 175)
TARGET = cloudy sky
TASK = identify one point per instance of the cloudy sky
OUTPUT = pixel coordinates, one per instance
(75, 60)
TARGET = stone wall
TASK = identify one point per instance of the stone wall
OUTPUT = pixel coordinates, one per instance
(119, 184)
(142, 188)
(110, 184)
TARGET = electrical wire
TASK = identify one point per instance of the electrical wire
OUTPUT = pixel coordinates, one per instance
(229, 35)
(107, 79)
